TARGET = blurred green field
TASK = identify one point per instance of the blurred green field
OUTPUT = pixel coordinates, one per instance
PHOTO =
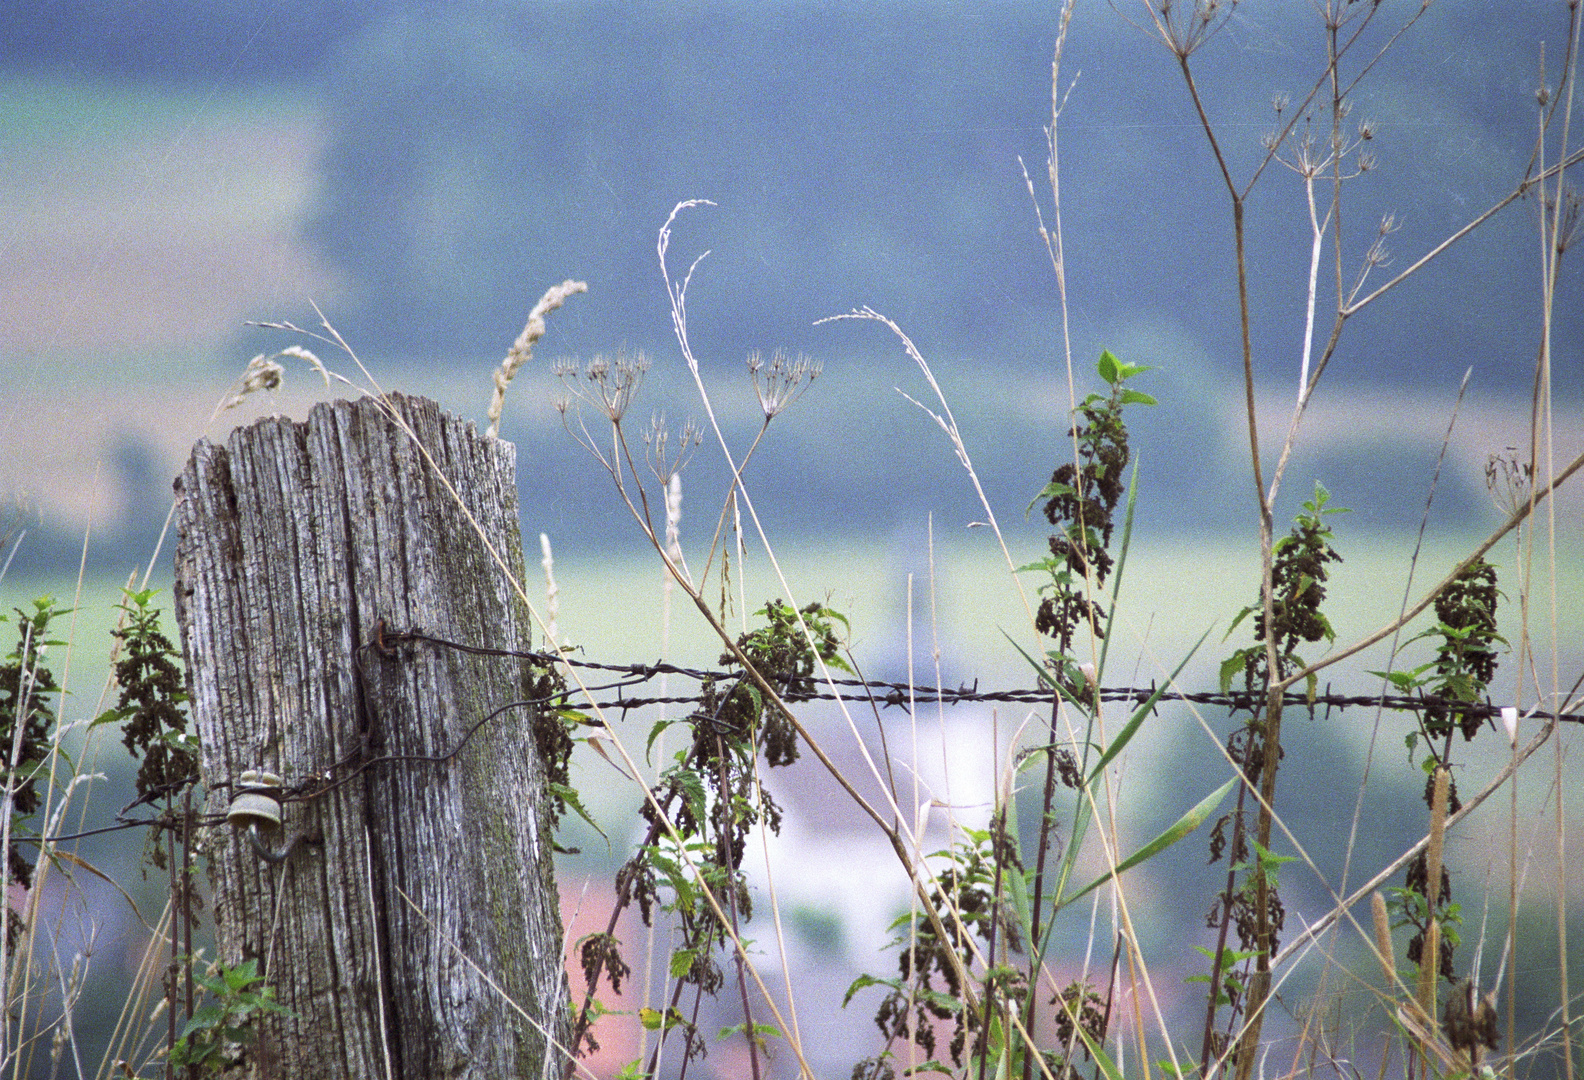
(1172, 592)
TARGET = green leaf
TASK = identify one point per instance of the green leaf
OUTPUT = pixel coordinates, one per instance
(1181, 828)
(681, 962)
(1245, 613)
(1137, 397)
(654, 1020)
(1403, 680)
(1049, 491)
(207, 1016)
(111, 716)
(242, 976)
(761, 1032)
(1107, 367)
(654, 733)
(570, 796)
(864, 982)
(691, 785)
(1230, 667)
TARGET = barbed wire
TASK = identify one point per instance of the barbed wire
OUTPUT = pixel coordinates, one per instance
(889, 694)
(903, 694)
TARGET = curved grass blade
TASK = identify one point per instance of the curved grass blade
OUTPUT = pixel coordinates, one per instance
(1184, 825)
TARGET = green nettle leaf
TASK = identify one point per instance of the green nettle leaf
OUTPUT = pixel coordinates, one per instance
(570, 796)
(864, 982)
(681, 962)
(1051, 490)
(1245, 613)
(761, 1032)
(1107, 367)
(1137, 397)
(1230, 667)
(655, 1020)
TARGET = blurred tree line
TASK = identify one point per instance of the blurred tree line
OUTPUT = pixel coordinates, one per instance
(483, 149)
(868, 154)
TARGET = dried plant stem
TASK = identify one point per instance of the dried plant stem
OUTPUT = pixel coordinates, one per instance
(1430, 953)
(1523, 188)
(1259, 983)
(948, 424)
(1554, 240)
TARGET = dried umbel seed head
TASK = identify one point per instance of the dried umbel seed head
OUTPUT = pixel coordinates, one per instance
(663, 462)
(607, 385)
(783, 381)
(1508, 480)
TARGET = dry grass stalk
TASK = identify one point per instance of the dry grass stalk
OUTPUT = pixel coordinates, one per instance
(522, 348)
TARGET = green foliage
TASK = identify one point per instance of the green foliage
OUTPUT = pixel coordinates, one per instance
(153, 692)
(1465, 640)
(1298, 580)
(1081, 501)
(784, 657)
(1409, 908)
(26, 689)
(1227, 990)
(1079, 1008)
(1465, 659)
(553, 727)
(1250, 906)
(973, 885)
(221, 1030)
(984, 889)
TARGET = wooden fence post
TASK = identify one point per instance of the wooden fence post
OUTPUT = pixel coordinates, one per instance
(423, 898)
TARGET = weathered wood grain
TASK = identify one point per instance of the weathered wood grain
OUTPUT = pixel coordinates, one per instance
(293, 541)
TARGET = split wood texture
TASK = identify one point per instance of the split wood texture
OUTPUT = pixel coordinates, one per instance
(422, 882)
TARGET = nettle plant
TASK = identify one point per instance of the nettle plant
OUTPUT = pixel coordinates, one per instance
(1005, 904)
(700, 813)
